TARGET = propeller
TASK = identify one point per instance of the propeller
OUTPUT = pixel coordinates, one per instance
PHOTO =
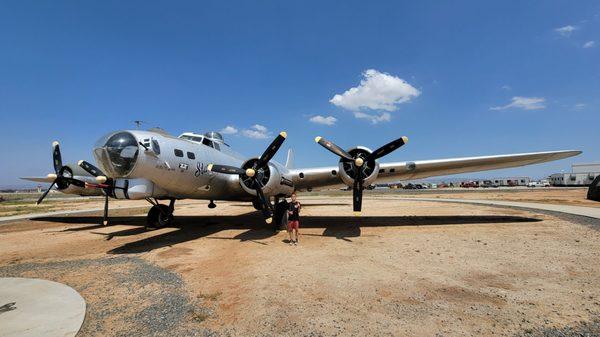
(104, 183)
(359, 163)
(62, 176)
(255, 172)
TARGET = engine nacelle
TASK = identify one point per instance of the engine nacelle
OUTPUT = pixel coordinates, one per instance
(136, 189)
(370, 170)
(74, 171)
(271, 179)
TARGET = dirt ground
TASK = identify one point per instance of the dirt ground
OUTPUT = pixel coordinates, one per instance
(404, 268)
(547, 195)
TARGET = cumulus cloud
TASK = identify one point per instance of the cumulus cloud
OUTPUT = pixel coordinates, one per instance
(565, 31)
(373, 118)
(589, 44)
(376, 91)
(256, 131)
(329, 120)
(229, 130)
(525, 103)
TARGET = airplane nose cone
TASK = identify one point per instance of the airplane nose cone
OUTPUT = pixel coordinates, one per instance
(117, 153)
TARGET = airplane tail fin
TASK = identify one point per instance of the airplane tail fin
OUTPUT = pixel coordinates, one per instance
(289, 163)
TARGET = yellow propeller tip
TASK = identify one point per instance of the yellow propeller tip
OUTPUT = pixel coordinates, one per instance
(209, 167)
(318, 139)
(55, 143)
(105, 222)
(405, 139)
(356, 213)
(283, 134)
(101, 179)
(268, 220)
(79, 163)
(51, 176)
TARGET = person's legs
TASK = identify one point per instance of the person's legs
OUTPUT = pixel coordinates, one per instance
(290, 230)
(294, 227)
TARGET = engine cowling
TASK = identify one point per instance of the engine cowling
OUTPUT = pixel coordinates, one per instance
(74, 171)
(346, 167)
(270, 179)
(135, 189)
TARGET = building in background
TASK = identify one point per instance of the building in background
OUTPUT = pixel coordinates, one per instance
(580, 175)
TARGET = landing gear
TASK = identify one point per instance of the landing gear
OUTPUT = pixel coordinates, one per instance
(212, 204)
(160, 215)
(281, 208)
(257, 205)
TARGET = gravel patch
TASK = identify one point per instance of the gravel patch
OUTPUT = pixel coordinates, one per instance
(582, 329)
(125, 296)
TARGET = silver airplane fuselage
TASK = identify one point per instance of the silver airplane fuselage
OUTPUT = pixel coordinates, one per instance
(148, 164)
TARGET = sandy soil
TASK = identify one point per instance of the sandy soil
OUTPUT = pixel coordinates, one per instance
(404, 268)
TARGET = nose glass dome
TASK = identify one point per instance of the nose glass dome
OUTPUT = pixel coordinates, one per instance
(118, 154)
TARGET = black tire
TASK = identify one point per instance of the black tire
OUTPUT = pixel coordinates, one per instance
(159, 216)
(257, 205)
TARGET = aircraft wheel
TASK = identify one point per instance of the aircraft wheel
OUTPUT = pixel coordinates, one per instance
(257, 205)
(159, 216)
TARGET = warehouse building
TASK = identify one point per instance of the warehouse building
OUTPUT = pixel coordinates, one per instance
(580, 175)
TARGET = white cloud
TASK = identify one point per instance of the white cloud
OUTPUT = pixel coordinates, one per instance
(329, 120)
(376, 91)
(589, 44)
(579, 106)
(256, 131)
(374, 119)
(566, 31)
(505, 87)
(525, 103)
(229, 130)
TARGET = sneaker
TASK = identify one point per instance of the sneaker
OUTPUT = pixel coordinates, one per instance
(296, 243)
(291, 242)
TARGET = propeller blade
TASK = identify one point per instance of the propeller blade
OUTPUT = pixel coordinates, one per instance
(45, 193)
(333, 148)
(56, 157)
(388, 148)
(73, 181)
(91, 169)
(271, 150)
(105, 217)
(357, 192)
(266, 206)
(226, 169)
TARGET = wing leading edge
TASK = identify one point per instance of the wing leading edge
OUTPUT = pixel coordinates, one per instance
(323, 176)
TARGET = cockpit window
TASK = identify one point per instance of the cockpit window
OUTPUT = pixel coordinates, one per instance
(216, 146)
(207, 142)
(155, 146)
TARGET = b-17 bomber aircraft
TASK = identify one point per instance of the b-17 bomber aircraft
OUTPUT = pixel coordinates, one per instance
(156, 166)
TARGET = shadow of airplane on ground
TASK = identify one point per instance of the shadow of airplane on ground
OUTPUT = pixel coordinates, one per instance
(193, 227)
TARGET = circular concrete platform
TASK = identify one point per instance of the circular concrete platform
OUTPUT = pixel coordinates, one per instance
(33, 307)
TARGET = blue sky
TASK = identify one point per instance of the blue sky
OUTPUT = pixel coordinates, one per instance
(491, 78)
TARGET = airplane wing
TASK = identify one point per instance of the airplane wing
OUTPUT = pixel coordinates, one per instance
(314, 178)
(39, 179)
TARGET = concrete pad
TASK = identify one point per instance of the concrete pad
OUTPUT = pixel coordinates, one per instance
(591, 212)
(41, 308)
